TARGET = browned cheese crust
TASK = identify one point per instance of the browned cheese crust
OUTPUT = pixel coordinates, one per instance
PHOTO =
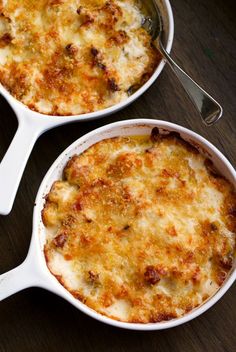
(69, 57)
(141, 229)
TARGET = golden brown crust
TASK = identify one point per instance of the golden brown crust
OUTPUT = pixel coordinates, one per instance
(47, 51)
(140, 229)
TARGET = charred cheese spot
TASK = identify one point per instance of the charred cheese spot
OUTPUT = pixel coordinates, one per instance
(46, 60)
(138, 229)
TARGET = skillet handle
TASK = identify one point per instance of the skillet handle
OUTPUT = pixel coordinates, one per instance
(15, 280)
(13, 164)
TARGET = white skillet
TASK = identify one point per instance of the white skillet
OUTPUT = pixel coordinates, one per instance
(32, 124)
(34, 271)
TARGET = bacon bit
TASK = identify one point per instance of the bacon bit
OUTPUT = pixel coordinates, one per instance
(86, 17)
(113, 9)
(113, 85)
(5, 39)
(88, 220)
(87, 22)
(60, 240)
(77, 206)
(150, 150)
(101, 66)
(213, 226)
(227, 263)
(182, 183)
(151, 275)
(79, 10)
(94, 52)
(121, 37)
(155, 135)
(72, 49)
(93, 277)
(208, 228)
(97, 59)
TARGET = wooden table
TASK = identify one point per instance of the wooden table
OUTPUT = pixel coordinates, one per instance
(36, 320)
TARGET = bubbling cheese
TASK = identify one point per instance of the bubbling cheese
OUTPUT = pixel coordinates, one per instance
(69, 57)
(141, 229)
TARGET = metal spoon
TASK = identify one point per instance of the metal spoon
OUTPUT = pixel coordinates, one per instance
(209, 109)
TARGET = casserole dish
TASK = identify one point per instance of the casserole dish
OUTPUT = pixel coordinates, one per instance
(34, 270)
(32, 124)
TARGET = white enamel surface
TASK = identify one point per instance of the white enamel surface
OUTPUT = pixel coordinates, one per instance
(35, 123)
(131, 127)
(34, 271)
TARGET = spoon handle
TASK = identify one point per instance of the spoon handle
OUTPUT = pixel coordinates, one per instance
(209, 109)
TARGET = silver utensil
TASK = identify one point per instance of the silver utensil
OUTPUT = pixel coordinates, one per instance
(209, 109)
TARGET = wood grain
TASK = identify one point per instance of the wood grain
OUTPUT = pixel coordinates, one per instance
(35, 320)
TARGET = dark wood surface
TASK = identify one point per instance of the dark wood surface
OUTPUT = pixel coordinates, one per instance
(36, 320)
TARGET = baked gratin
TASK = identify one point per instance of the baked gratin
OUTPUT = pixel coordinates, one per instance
(69, 57)
(141, 229)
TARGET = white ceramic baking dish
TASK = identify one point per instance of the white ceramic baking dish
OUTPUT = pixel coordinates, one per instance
(32, 124)
(34, 271)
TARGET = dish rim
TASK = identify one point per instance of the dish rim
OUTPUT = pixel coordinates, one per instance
(17, 104)
(53, 285)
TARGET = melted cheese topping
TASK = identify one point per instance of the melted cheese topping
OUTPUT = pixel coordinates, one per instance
(67, 57)
(141, 229)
